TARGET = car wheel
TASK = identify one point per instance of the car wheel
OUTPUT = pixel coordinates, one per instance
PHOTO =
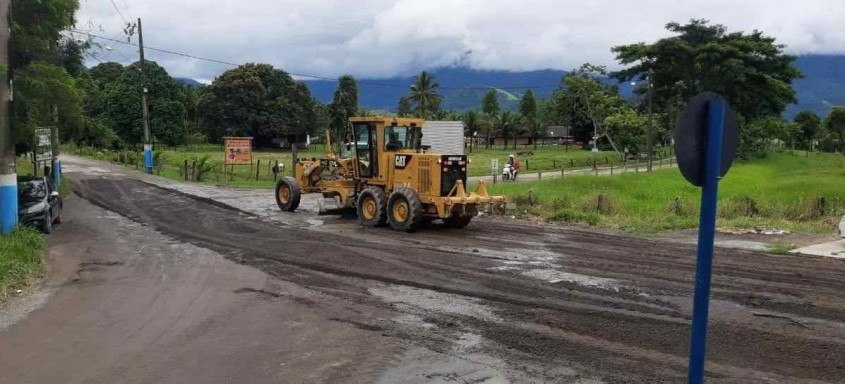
(47, 223)
(58, 219)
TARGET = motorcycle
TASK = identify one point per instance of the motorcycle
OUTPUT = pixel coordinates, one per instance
(509, 173)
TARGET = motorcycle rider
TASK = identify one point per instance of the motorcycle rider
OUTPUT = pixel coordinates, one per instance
(514, 166)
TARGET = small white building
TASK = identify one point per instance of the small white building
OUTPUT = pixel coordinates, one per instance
(445, 137)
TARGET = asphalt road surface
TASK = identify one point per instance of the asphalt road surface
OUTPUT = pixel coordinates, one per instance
(185, 289)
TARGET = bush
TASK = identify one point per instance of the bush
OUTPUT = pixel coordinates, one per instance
(573, 216)
(526, 200)
(601, 203)
(682, 207)
(743, 206)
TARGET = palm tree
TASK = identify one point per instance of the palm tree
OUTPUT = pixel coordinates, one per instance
(472, 125)
(424, 96)
(535, 128)
(505, 123)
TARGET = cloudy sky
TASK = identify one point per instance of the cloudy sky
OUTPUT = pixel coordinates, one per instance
(381, 38)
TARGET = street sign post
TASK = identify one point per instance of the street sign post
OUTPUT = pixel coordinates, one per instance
(705, 145)
(43, 145)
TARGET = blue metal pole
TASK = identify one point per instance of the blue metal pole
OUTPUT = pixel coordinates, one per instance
(8, 202)
(706, 236)
(57, 173)
(148, 157)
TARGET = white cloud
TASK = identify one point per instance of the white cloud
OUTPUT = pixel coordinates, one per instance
(377, 38)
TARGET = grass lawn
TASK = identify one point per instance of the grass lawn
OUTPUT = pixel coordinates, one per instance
(785, 190)
(20, 259)
(544, 158)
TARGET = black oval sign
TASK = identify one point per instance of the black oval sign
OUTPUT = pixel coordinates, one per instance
(691, 138)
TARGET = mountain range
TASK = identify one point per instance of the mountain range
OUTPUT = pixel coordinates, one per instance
(462, 88)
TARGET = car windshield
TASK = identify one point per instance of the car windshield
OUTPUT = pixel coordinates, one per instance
(32, 190)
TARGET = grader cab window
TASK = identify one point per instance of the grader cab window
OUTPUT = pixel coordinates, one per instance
(365, 138)
(400, 137)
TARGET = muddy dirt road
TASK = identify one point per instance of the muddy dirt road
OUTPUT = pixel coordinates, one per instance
(499, 302)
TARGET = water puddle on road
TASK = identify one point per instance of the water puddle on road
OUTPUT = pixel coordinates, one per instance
(428, 300)
(555, 276)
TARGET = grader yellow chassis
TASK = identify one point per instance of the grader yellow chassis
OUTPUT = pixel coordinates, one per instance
(388, 177)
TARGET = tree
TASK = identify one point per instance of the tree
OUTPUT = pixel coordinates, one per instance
(490, 107)
(256, 100)
(121, 106)
(628, 128)
(809, 125)
(506, 124)
(835, 125)
(404, 108)
(584, 101)
(424, 96)
(528, 105)
(535, 128)
(40, 60)
(749, 70)
(40, 87)
(490, 102)
(472, 125)
(344, 105)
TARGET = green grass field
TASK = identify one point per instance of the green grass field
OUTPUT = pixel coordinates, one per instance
(542, 159)
(20, 259)
(786, 190)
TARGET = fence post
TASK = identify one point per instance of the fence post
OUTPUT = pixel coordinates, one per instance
(276, 174)
(554, 163)
(611, 169)
(194, 169)
(257, 168)
(571, 162)
(185, 170)
(293, 163)
(540, 175)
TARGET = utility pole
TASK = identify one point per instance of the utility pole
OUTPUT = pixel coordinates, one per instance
(8, 173)
(55, 166)
(148, 146)
(649, 135)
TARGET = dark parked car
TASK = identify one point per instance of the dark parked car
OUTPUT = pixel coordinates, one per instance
(39, 203)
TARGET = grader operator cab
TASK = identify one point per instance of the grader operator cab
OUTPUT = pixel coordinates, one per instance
(389, 177)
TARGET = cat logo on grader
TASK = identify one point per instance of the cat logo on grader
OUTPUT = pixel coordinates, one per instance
(389, 177)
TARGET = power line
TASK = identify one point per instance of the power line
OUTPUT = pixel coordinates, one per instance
(118, 12)
(317, 77)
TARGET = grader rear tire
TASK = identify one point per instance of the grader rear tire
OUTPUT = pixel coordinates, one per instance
(372, 207)
(404, 209)
(288, 194)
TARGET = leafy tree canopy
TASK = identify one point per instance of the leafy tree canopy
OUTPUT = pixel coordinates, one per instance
(256, 100)
(121, 105)
(750, 70)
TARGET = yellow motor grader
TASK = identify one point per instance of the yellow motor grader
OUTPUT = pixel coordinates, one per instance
(389, 177)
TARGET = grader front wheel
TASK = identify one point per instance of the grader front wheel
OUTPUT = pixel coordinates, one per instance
(288, 194)
(371, 207)
(404, 209)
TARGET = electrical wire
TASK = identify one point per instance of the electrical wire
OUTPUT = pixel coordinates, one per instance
(316, 77)
(118, 12)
